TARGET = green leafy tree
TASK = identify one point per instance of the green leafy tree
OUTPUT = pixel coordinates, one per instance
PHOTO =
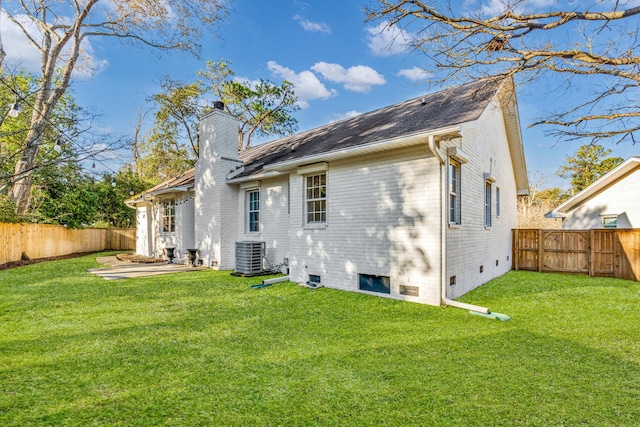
(64, 25)
(588, 164)
(263, 107)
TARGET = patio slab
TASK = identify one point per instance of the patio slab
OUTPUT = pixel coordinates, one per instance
(125, 270)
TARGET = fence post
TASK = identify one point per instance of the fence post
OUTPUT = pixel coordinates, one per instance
(540, 249)
(592, 252)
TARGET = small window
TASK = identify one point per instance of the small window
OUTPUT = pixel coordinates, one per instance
(169, 216)
(610, 221)
(487, 204)
(497, 201)
(315, 278)
(454, 192)
(371, 283)
(253, 211)
(316, 198)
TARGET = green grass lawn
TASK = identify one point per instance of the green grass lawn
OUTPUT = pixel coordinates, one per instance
(204, 349)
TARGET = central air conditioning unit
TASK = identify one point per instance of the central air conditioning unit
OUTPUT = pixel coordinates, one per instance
(249, 256)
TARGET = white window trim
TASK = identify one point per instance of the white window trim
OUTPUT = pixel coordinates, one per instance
(318, 224)
(488, 211)
(163, 215)
(248, 211)
(457, 193)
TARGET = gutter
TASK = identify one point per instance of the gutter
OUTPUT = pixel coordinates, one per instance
(443, 238)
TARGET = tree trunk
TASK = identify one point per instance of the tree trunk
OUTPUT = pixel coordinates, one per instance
(21, 189)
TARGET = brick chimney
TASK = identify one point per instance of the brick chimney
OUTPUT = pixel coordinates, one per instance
(216, 202)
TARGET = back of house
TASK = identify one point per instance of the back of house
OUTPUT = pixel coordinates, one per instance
(415, 201)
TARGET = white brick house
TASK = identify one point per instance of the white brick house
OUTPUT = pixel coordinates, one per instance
(613, 201)
(415, 201)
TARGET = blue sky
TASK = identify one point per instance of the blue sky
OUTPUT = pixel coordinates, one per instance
(340, 66)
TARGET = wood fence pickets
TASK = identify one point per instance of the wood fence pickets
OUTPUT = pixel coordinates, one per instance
(598, 252)
(44, 240)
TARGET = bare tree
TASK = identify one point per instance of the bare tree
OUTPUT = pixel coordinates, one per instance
(595, 50)
(2, 52)
(62, 28)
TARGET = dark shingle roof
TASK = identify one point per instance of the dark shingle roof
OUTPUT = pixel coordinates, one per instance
(433, 111)
(447, 107)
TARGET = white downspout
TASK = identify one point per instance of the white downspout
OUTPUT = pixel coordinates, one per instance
(443, 235)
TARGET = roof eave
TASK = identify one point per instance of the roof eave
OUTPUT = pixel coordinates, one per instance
(617, 173)
(398, 142)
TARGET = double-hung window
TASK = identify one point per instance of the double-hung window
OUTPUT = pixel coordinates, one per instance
(454, 192)
(169, 216)
(316, 198)
(253, 211)
(487, 204)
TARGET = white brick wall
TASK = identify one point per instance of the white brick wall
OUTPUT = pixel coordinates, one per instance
(471, 245)
(621, 199)
(216, 202)
(382, 219)
(274, 218)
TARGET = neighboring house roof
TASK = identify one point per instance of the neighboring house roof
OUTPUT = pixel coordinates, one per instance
(613, 176)
(427, 113)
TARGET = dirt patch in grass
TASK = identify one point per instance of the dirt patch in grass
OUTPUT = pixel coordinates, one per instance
(139, 258)
(22, 262)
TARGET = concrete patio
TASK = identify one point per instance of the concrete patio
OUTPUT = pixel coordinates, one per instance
(116, 269)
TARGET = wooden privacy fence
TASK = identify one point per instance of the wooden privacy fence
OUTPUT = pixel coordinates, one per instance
(598, 252)
(43, 240)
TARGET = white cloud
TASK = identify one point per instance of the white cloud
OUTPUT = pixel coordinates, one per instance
(359, 78)
(385, 40)
(415, 74)
(312, 27)
(22, 54)
(346, 115)
(306, 84)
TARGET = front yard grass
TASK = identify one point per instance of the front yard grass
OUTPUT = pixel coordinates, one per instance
(203, 348)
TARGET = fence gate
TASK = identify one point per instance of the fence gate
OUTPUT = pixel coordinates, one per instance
(565, 251)
(598, 252)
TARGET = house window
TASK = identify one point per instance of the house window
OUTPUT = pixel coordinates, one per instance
(372, 283)
(316, 198)
(253, 211)
(610, 221)
(497, 202)
(169, 216)
(454, 192)
(487, 204)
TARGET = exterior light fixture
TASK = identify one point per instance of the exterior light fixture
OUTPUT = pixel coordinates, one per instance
(113, 182)
(131, 193)
(58, 147)
(14, 109)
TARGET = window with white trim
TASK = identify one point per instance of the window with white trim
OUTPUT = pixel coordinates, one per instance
(454, 192)
(253, 211)
(610, 221)
(316, 198)
(169, 216)
(487, 204)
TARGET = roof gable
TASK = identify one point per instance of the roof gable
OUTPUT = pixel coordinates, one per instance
(615, 175)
